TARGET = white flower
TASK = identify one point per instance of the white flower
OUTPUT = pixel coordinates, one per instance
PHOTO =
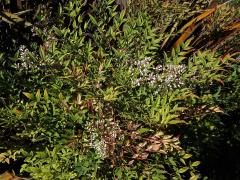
(168, 76)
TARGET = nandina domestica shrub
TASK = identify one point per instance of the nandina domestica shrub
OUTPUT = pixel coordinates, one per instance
(108, 94)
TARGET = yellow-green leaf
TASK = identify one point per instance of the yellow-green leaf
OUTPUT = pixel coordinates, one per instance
(38, 95)
(94, 21)
(74, 24)
(42, 52)
(183, 170)
(28, 95)
(194, 177)
(196, 163)
(13, 18)
(183, 161)
(177, 122)
(45, 95)
(187, 156)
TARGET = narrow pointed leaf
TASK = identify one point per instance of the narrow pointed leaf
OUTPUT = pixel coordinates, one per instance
(38, 95)
(28, 95)
(45, 94)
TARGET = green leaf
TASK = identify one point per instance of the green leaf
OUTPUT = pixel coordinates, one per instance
(60, 10)
(28, 95)
(111, 94)
(187, 156)
(45, 94)
(177, 122)
(110, 2)
(194, 177)
(94, 21)
(13, 18)
(182, 160)
(85, 25)
(196, 163)
(122, 14)
(79, 19)
(143, 130)
(183, 170)
(42, 52)
(73, 14)
(27, 24)
(74, 24)
(38, 95)
(22, 12)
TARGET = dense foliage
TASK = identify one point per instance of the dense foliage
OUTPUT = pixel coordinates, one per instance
(114, 90)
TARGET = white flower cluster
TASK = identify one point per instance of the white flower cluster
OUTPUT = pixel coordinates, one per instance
(143, 67)
(99, 144)
(103, 136)
(25, 62)
(161, 76)
(34, 31)
(171, 76)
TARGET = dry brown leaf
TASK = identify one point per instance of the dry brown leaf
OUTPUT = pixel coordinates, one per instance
(234, 26)
(131, 126)
(8, 176)
(141, 145)
(215, 109)
(135, 156)
(131, 162)
(185, 35)
(191, 26)
(199, 18)
(144, 156)
(153, 148)
(135, 135)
